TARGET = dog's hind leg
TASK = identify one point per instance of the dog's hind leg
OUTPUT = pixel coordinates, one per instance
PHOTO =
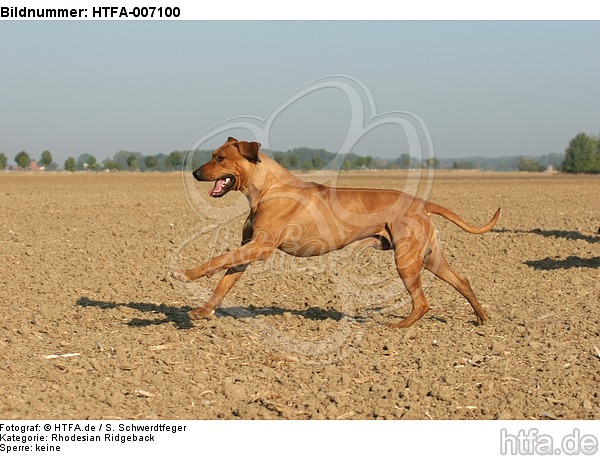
(437, 264)
(409, 266)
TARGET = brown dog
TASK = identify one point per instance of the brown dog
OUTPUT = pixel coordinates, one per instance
(307, 219)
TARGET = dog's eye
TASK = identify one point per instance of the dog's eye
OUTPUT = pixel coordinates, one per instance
(220, 158)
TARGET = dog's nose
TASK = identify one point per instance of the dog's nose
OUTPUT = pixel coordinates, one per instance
(196, 174)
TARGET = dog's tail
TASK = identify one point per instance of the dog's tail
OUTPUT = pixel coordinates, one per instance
(454, 218)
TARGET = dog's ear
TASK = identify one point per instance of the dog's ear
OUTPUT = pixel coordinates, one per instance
(249, 150)
(231, 139)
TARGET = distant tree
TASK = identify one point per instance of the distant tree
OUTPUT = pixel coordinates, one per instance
(174, 160)
(348, 164)
(317, 162)
(150, 161)
(46, 158)
(82, 161)
(359, 162)
(368, 161)
(92, 163)
(294, 160)
(553, 159)
(3, 161)
(403, 161)
(132, 162)
(70, 164)
(282, 159)
(582, 155)
(529, 164)
(121, 158)
(308, 165)
(112, 165)
(22, 159)
(463, 164)
(161, 165)
(432, 163)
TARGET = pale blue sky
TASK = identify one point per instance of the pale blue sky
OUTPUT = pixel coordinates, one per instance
(482, 88)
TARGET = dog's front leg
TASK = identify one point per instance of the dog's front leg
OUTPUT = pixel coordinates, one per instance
(253, 251)
(229, 279)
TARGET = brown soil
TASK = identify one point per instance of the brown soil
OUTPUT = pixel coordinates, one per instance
(84, 272)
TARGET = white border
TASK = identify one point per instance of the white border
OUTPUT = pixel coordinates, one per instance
(345, 10)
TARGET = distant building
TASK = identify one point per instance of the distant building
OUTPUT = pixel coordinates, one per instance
(33, 166)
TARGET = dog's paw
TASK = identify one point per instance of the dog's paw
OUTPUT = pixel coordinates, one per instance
(201, 313)
(180, 275)
(401, 324)
(483, 321)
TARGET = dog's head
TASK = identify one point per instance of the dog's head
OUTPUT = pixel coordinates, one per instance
(230, 166)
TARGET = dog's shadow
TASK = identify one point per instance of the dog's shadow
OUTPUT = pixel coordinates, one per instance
(178, 315)
(549, 263)
(171, 314)
(570, 235)
(312, 313)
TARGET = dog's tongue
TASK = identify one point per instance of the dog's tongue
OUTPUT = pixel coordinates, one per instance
(218, 188)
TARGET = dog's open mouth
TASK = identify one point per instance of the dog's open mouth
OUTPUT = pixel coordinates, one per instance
(222, 186)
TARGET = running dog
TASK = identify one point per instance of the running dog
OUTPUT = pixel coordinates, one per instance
(307, 219)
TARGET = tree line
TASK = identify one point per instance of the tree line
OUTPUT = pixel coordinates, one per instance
(127, 161)
(581, 156)
(122, 160)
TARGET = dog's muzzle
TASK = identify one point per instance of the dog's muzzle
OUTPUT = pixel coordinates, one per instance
(197, 175)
